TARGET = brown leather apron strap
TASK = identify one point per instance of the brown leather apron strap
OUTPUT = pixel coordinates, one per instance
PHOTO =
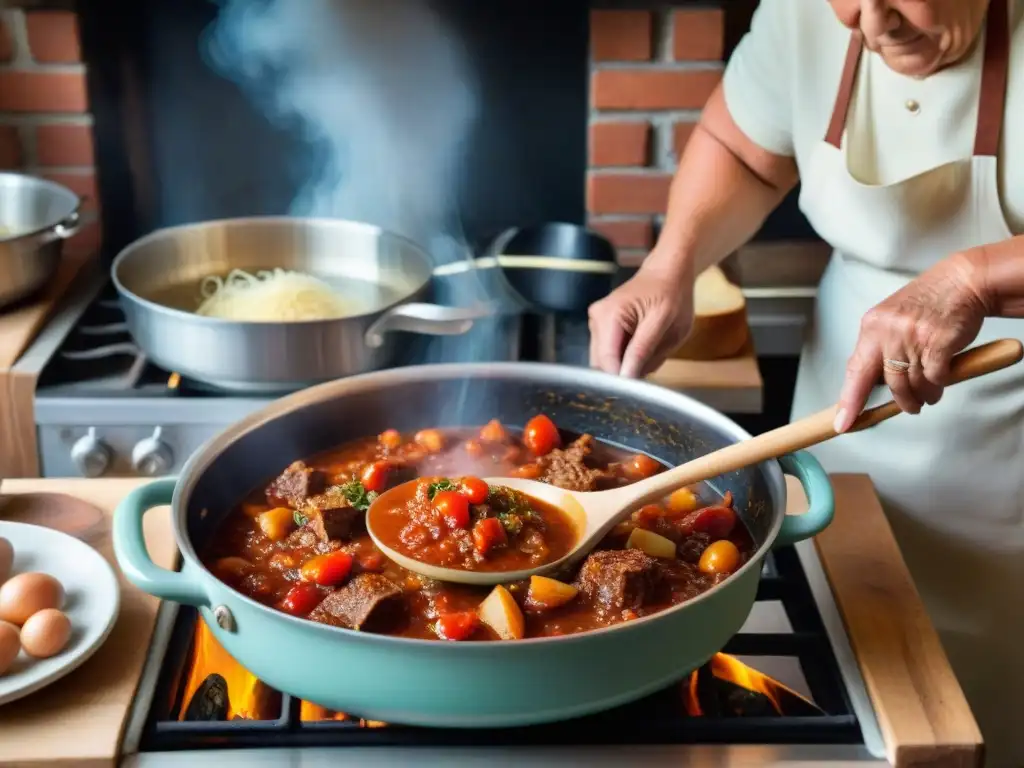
(992, 101)
(837, 124)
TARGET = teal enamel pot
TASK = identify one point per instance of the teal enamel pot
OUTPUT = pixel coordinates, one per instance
(473, 684)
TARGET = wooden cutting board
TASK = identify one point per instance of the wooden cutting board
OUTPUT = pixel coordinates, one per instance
(731, 385)
(80, 719)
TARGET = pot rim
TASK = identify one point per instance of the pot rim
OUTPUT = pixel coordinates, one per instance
(74, 200)
(206, 454)
(129, 251)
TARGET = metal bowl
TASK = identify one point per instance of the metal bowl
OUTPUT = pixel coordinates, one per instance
(36, 217)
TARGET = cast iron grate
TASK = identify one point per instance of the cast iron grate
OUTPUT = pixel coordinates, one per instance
(657, 719)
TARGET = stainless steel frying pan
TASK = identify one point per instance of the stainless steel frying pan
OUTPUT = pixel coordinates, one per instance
(385, 276)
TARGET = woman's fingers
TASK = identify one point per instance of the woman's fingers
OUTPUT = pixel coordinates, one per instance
(862, 371)
(642, 349)
(608, 337)
(898, 361)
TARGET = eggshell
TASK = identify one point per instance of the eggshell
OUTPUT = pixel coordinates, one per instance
(28, 593)
(6, 559)
(9, 646)
(45, 633)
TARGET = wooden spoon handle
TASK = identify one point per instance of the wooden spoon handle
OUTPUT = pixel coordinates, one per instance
(817, 427)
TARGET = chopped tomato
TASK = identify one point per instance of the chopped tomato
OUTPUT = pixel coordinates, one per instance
(716, 522)
(301, 599)
(431, 440)
(454, 508)
(642, 465)
(541, 435)
(529, 471)
(727, 499)
(390, 438)
(648, 513)
(493, 432)
(474, 489)
(721, 557)
(371, 561)
(457, 626)
(487, 534)
(375, 476)
(327, 570)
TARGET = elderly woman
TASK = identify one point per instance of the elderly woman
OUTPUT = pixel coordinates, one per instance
(904, 122)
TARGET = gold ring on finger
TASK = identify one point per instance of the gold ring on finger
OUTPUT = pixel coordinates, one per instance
(896, 366)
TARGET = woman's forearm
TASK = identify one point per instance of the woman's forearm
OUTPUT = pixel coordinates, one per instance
(996, 274)
(722, 192)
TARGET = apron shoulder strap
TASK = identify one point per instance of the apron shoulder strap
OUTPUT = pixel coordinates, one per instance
(995, 65)
(837, 124)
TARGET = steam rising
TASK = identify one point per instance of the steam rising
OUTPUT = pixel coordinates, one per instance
(382, 93)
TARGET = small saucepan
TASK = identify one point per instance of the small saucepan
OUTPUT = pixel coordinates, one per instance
(387, 278)
(553, 267)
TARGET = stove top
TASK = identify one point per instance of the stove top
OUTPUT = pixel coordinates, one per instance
(786, 685)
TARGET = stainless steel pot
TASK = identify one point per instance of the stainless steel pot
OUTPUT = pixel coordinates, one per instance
(36, 217)
(472, 684)
(158, 279)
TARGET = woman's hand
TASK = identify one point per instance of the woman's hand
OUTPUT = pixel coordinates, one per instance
(911, 336)
(635, 327)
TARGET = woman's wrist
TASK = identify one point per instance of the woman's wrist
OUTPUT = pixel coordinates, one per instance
(674, 264)
(993, 275)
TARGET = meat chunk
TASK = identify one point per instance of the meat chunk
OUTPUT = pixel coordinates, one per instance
(308, 537)
(332, 516)
(368, 595)
(567, 468)
(295, 485)
(618, 579)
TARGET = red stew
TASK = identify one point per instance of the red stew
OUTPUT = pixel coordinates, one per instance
(299, 544)
(463, 523)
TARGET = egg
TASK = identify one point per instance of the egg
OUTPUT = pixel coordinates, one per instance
(46, 633)
(28, 593)
(6, 559)
(9, 646)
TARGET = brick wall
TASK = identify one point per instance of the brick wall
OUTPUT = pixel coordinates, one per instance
(651, 72)
(45, 126)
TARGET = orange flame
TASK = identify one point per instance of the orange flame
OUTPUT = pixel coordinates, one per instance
(174, 381)
(248, 698)
(310, 712)
(736, 672)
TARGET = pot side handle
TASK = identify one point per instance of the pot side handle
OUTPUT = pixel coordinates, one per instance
(432, 319)
(130, 547)
(821, 504)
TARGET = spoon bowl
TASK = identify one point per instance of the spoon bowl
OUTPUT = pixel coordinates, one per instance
(595, 513)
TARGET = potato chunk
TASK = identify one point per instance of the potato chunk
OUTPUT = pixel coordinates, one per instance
(651, 543)
(277, 523)
(500, 612)
(545, 593)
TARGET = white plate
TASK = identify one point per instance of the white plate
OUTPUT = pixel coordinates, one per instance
(91, 603)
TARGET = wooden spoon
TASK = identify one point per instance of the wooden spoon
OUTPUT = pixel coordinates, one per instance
(596, 513)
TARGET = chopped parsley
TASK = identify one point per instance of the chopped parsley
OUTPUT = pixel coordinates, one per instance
(512, 509)
(444, 484)
(300, 519)
(357, 495)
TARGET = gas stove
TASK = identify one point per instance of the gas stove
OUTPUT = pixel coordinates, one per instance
(786, 690)
(103, 409)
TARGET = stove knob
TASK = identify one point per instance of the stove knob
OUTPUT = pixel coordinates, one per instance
(152, 456)
(91, 455)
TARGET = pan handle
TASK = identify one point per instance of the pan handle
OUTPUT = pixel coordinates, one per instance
(432, 319)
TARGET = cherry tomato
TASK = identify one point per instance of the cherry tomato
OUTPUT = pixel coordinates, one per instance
(488, 532)
(529, 471)
(371, 561)
(327, 570)
(474, 489)
(541, 435)
(457, 626)
(390, 438)
(721, 557)
(648, 513)
(375, 476)
(716, 522)
(642, 465)
(301, 599)
(430, 440)
(493, 432)
(454, 508)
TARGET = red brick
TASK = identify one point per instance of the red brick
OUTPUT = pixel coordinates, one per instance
(42, 92)
(53, 36)
(621, 36)
(626, 234)
(680, 135)
(698, 35)
(64, 145)
(620, 143)
(82, 184)
(10, 148)
(6, 43)
(86, 242)
(652, 89)
(628, 192)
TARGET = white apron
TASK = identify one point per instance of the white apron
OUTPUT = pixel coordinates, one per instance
(951, 478)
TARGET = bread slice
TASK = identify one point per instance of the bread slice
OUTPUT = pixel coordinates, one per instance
(720, 319)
